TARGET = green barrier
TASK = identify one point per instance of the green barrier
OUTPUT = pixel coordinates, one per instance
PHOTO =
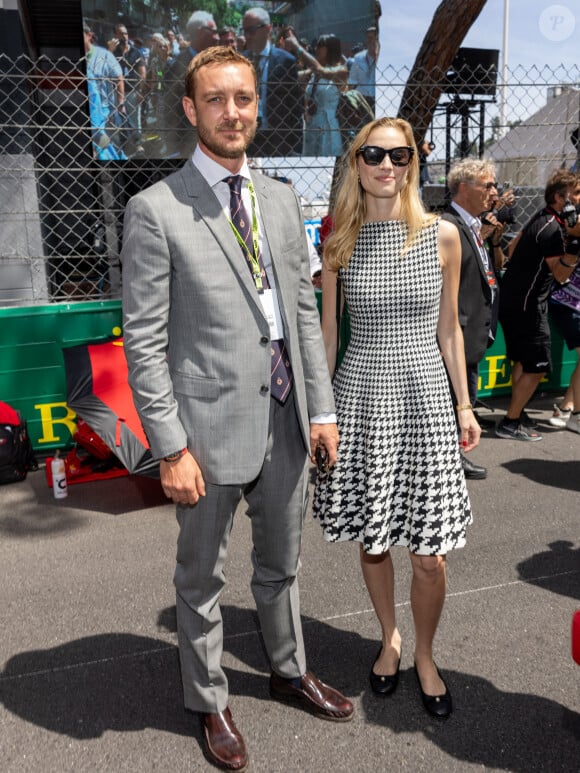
(495, 371)
(32, 377)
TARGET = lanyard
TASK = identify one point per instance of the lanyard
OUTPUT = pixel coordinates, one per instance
(489, 274)
(253, 258)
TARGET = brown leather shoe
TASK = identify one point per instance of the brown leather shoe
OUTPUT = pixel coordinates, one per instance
(314, 695)
(224, 742)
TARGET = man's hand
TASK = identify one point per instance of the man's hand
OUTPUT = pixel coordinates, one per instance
(182, 481)
(325, 435)
(317, 280)
(491, 227)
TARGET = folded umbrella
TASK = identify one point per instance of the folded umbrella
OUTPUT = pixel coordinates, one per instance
(98, 391)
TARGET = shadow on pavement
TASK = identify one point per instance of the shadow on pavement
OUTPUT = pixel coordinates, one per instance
(490, 728)
(83, 688)
(31, 510)
(563, 475)
(126, 683)
(556, 569)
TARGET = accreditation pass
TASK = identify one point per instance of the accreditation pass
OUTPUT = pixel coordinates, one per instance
(269, 299)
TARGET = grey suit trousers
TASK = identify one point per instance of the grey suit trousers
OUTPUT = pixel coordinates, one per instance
(276, 505)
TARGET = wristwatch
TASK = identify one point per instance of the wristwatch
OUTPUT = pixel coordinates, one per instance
(175, 456)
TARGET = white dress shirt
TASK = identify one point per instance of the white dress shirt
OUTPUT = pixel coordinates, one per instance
(214, 174)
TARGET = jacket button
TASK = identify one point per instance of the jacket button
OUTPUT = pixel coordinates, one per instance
(264, 340)
(264, 389)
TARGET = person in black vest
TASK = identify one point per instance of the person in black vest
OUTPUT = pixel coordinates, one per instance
(472, 187)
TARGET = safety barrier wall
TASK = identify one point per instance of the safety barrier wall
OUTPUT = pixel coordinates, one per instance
(32, 376)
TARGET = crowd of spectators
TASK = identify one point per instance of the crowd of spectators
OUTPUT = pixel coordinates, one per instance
(300, 82)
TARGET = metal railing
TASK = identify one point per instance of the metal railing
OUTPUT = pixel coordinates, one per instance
(62, 197)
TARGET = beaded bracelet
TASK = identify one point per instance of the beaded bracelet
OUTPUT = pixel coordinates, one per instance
(464, 407)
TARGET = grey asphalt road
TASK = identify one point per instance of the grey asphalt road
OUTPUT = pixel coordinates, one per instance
(89, 679)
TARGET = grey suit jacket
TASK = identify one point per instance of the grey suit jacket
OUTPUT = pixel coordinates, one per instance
(196, 338)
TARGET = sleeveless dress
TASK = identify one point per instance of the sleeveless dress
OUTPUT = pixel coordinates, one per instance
(398, 479)
(322, 135)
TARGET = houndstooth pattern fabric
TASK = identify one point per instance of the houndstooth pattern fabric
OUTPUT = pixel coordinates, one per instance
(398, 479)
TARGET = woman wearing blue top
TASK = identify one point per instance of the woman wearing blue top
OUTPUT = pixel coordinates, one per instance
(328, 76)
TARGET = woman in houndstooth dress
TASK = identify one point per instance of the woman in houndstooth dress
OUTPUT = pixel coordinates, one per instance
(398, 478)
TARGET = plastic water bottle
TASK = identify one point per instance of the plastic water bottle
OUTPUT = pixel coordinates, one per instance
(59, 487)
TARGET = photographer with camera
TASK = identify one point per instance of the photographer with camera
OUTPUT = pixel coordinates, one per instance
(495, 224)
(546, 250)
(472, 186)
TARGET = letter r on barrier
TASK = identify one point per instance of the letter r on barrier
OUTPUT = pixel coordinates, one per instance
(48, 421)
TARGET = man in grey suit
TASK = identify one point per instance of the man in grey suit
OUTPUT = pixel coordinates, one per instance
(201, 322)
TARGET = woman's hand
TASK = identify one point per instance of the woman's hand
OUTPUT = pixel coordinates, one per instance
(470, 431)
(291, 43)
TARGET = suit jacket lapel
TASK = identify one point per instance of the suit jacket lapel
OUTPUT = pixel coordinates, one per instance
(269, 215)
(477, 249)
(205, 203)
(470, 236)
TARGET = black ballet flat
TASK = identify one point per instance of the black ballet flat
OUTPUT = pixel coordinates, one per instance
(384, 684)
(438, 706)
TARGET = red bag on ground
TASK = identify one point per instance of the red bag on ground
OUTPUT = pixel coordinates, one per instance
(88, 439)
(82, 468)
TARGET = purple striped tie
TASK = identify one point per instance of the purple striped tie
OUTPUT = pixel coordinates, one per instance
(281, 376)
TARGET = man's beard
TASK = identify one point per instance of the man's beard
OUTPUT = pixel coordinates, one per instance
(212, 141)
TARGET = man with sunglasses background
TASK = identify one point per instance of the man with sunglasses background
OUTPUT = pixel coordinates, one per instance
(472, 187)
(281, 101)
(201, 33)
(546, 250)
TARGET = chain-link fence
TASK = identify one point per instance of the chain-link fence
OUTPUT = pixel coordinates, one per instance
(66, 173)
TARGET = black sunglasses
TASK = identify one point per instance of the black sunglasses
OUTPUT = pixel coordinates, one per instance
(373, 155)
(487, 186)
(251, 30)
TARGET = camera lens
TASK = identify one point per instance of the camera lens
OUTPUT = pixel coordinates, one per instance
(570, 214)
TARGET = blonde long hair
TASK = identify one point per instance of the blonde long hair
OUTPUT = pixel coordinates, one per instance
(350, 209)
